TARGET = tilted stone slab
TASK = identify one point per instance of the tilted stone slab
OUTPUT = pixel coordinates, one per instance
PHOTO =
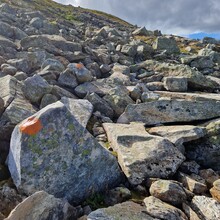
(52, 151)
(166, 111)
(141, 155)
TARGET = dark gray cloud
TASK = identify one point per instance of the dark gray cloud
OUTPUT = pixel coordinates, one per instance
(170, 16)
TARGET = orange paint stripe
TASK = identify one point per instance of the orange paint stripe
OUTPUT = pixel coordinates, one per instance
(31, 126)
(79, 65)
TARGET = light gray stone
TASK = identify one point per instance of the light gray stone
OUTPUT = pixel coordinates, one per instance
(176, 84)
(141, 155)
(40, 206)
(161, 210)
(164, 111)
(206, 208)
(81, 109)
(168, 191)
(125, 211)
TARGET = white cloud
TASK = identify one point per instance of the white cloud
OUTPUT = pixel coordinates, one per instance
(170, 16)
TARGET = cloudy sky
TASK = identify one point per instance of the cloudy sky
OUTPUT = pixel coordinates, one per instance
(181, 17)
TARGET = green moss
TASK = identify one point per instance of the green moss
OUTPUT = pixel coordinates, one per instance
(71, 127)
(86, 152)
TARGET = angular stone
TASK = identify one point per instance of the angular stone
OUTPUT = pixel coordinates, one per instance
(189, 212)
(141, 155)
(117, 195)
(60, 92)
(11, 32)
(49, 42)
(176, 84)
(68, 79)
(99, 87)
(81, 109)
(9, 198)
(193, 183)
(126, 210)
(40, 206)
(179, 134)
(205, 151)
(215, 190)
(17, 107)
(164, 111)
(168, 191)
(168, 44)
(206, 208)
(100, 105)
(58, 155)
(210, 176)
(196, 80)
(35, 88)
(118, 99)
(161, 210)
(82, 73)
(53, 65)
(48, 99)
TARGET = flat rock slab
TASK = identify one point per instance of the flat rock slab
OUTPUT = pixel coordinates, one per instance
(52, 151)
(179, 134)
(141, 155)
(40, 206)
(166, 111)
(125, 211)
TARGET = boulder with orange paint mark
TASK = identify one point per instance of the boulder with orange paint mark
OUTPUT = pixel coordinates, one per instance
(81, 72)
(53, 151)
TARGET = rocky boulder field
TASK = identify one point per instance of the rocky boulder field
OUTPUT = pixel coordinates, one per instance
(103, 120)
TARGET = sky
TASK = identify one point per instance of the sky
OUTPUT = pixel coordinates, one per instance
(179, 17)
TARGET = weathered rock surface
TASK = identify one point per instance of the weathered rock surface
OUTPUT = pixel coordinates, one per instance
(126, 211)
(17, 107)
(66, 161)
(161, 210)
(165, 111)
(40, 206)
(168, 191)
(179, 134)
(141, 155)
(206, 208)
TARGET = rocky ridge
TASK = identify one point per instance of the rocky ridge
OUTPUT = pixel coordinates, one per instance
(103, 120)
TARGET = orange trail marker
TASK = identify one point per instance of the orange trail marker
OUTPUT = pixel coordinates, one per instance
(79, 65)
(31, 126)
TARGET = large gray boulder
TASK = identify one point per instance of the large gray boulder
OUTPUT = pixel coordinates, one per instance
(40, 206)
(164, 111)
(52, 151)
(141, 155)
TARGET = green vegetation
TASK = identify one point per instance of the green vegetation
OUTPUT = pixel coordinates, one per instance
(96, 201)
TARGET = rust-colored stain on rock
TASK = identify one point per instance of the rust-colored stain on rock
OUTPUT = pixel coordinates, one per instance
(79, 66)
(31, 126)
